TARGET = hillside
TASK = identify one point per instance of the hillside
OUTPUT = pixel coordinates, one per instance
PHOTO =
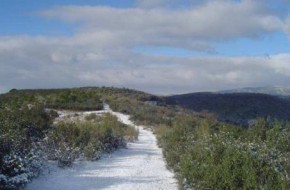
(238, 108)
(271, 90)
(32, 134)
(85, 98)
(227, 156)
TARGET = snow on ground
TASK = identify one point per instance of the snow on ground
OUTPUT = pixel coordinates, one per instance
(139, 167)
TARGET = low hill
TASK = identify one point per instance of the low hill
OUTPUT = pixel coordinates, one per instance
(85, 98)
(238, 108)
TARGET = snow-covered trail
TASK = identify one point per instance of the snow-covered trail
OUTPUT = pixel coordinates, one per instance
(139, 167)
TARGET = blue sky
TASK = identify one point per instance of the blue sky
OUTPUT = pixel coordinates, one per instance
(20, 16)
(160, 46)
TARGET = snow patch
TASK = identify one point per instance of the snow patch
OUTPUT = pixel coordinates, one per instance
(139, 167)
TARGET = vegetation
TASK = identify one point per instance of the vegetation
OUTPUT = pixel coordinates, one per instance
(72, 99)
(68, 141)
(28, 136)
(88, 98)
(142, 112)
(207, 154)
(204, 152)
(20, 130)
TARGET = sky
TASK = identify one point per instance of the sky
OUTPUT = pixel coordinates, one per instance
(157, 46)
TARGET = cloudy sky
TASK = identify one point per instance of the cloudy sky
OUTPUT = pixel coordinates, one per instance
(159, 46)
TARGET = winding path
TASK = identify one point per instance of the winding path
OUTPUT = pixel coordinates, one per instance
(139, 167)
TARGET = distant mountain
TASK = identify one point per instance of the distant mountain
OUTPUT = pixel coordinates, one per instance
(238, 108)
(272, 90)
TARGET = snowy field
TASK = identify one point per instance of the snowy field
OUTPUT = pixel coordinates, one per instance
(139, 167)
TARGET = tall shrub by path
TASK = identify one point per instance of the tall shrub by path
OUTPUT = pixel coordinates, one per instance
(89, 139)
(20, 132)
(210, 155)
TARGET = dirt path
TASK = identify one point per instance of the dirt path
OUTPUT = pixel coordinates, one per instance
(139, 167)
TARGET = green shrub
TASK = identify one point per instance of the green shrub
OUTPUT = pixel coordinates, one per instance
(91, 116)
(20, 132)
(67, 141)
(210, 155)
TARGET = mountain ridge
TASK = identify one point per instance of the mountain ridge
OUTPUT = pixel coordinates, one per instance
(271, 90)
(237, 108)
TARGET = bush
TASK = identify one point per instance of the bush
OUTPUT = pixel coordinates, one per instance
(68, 141)
(210, 155)
(91, 116)
(20, 131)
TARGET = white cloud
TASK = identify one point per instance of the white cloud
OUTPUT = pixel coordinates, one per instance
(287, 26)
(63, 66)
(154, 3)
(280, 64)
(217, 20)
(100, 52)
